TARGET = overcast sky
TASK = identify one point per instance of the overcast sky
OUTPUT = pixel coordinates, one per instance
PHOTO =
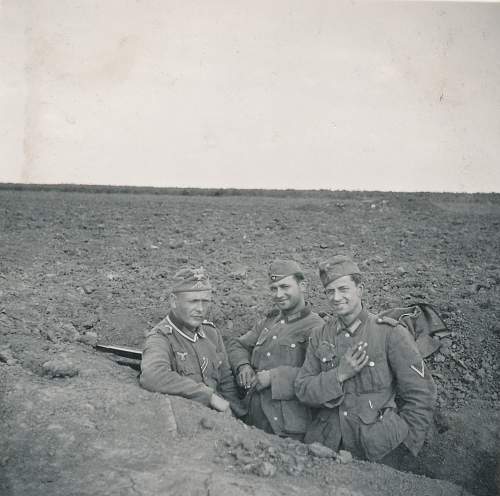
(282, 94)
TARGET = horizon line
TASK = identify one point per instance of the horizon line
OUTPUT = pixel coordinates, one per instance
(69, 187)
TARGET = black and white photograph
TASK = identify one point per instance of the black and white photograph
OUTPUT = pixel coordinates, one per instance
(249, 248)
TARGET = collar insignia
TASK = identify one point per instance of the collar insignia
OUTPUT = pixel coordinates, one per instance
(184, 335)
(351, 329)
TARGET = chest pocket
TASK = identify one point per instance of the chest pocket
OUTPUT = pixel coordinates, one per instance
(373, 376)
(292, 351)
(327, 356)
(217, 365)
(183, 361)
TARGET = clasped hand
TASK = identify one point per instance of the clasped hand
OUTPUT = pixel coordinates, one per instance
(248, 379)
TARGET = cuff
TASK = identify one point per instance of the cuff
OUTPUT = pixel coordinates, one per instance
(335, 389)
(238, 367)
(205, 396)
(413, 446)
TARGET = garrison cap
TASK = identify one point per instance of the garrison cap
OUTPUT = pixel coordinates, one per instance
(338, 266)
(190, 279)
(283, 268)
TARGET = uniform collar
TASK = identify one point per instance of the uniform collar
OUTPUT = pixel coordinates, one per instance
(190, 336)
(355, 324)
(293, 317)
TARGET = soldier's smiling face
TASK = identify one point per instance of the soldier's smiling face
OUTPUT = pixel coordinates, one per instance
(345, 296)
(191, 307)
(287, 293)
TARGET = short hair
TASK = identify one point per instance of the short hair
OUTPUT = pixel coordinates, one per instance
(299, 277)
(357, 279)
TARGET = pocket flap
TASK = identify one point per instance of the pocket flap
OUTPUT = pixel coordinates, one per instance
(289, 340)
(380, 438)
(325, 352)
(183, 362)
(367, 414)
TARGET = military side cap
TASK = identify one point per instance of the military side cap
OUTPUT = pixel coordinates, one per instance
(338, 266)
(190, 279)
(283, 268)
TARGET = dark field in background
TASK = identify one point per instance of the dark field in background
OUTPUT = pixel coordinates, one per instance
(102, 262)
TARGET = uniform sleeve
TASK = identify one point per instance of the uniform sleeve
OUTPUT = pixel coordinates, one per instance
(240, 349)
(415, 386)
(157, 373)
(313, 386)
(227, 385)
(282, 382)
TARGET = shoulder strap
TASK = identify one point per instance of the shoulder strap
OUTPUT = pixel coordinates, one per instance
(161, 328)
(388, 321)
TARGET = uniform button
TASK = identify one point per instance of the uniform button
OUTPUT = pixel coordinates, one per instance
(276, 419)
(345, 414)
(275, 337)
(323, 360)
(282, 321)
(268, 354)
(347, 334)
(371, 364)
(292, 345)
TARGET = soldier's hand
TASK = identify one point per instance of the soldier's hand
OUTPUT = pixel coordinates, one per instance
(263, 380)
(354, 359)
(218, 403)
(246, 377)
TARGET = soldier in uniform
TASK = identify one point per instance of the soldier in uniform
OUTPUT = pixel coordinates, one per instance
(354, 368)
(267, 358)
(184, 354)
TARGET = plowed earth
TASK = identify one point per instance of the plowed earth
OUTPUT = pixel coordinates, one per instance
(81, 267)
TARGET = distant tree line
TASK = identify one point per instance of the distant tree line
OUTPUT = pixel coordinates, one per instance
(219, 192)
(83, 188)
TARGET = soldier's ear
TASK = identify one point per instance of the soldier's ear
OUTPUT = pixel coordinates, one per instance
(173, 300)
(303, 285)
(360, 288)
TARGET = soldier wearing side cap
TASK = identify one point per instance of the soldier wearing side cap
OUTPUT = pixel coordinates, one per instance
(355, 367)
(267, 358)
(184, 354)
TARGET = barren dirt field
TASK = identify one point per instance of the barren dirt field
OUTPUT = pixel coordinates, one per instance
(80, 267)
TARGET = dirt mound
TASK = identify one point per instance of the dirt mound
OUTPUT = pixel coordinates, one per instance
(90, 429)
